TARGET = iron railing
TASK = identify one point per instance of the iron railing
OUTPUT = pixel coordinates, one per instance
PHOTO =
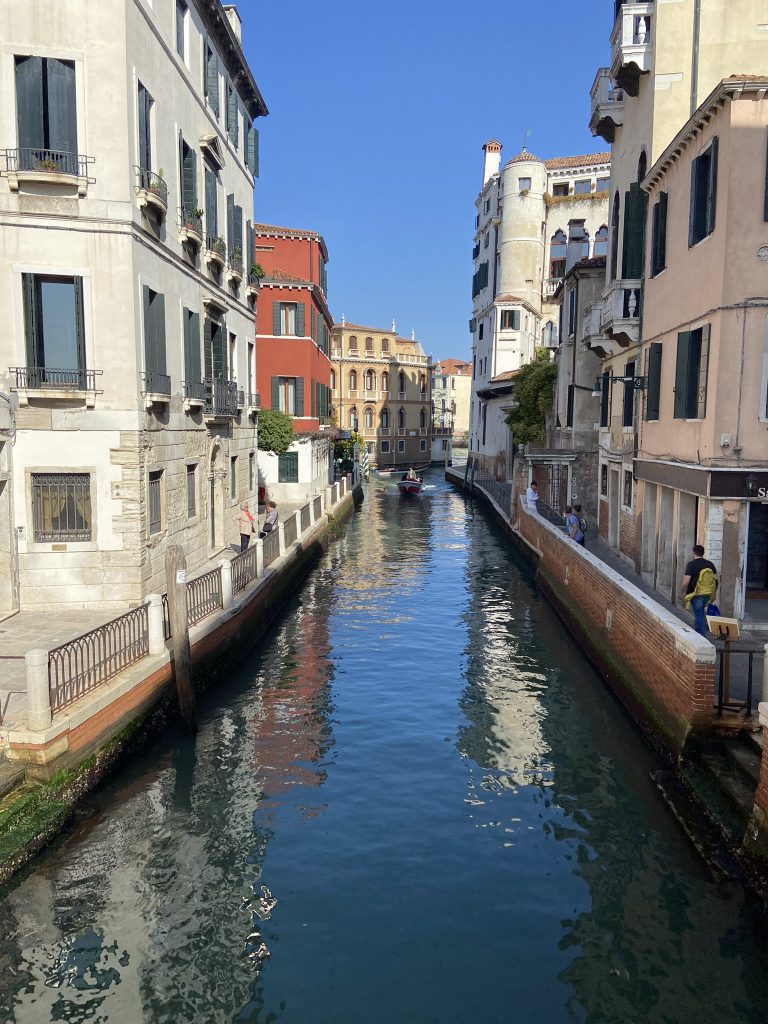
(203, 596)
(318, 507)
(54, 378)
(243, 569)
(51, 161)
(151, 182)
(216, 245)
(156, 384)
(236, 264)
(500, 491)
(61, 507)
(289, 531)
(191, 219)
(730, 675)
(80, 665)
(305, 518)
(194, 390)
(271, 547)
(221, 397)
(254, 400)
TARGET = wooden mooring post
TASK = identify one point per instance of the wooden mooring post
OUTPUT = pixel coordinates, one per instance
(176, 577)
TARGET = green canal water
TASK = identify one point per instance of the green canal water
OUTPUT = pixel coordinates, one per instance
(415, 803)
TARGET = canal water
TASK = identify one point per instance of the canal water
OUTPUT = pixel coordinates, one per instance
(415, 803)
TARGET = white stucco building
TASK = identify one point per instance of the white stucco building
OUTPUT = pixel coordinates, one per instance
(527, 214)
(126, 196)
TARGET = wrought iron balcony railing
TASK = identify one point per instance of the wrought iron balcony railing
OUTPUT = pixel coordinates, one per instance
(216, 246)
(50, 378)
(51, 161)
(221, 397)
(194, 390)
(156, 384)
(153, 183)
(192, 220)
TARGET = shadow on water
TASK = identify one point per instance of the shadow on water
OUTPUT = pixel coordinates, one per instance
(415, 802)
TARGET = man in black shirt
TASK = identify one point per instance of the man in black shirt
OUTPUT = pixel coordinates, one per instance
(700, 603)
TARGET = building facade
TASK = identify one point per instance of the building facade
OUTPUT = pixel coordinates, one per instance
(451, 396)
(526, 212)
(665, 58)
(381, 386)
(702, 462)
(293, 368)
(125, 207)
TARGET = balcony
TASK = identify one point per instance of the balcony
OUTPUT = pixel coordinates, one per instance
(592, 334)
(607, 106)
(252, 402)
(223, 400)
(550, 286)
(191, 228)
(47, 167)
(151, 192)
(383, 432)
(55, 383)
(253, 286)
(632, 46)
(621, 308)
(194, 393)
(235, 267)
(157, 389)
(215, 252)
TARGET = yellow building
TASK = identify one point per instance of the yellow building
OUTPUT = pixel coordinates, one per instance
(381, 386)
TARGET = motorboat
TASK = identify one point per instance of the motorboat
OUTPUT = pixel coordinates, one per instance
(411, 485)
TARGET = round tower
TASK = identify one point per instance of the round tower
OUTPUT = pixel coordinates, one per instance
(521, 243)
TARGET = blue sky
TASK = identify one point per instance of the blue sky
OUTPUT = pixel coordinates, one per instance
(377, 118)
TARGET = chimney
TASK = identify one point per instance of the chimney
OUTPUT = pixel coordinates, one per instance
(491, 159)
(234, 20)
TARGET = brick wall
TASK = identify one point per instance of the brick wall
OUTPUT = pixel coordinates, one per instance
(660, 668)
(627, 534)
(603, 519)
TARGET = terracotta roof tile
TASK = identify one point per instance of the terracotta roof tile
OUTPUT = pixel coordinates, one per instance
(456, 367)
(588, 159)
(283, 275)
(507, 375)
(274, 229)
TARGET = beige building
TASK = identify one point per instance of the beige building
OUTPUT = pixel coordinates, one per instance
(702, 461)
(381, 386)
(126, 192)
(527, 214)
(451, 397)
(665, 59)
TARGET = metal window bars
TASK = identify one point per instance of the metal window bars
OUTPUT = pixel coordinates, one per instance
(61, 507)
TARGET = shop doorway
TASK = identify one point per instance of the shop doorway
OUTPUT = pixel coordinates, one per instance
(756, 567)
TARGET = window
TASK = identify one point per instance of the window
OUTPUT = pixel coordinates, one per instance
(605, 399)
(55, 336)
(385, 345)
(401, 382)
(486, 240)
(353, 423)
(369, 344)
(252, 149)
(572, 311)
(628, 406)
(385, 382)
(181, 26)
(659, 235)
(46, 112)
(561, 189)
(703, 194)
(191, 491)
(615, 218)
(288, 395)
(384, 447)
(557, 249)
(691, 374)
(549, 334)
(569, 406)
(211, 80)
(154, 343)
(510, 319)
(604, 480)
(368, 418)
(627, 495)
(188, 182)
(401, 419)
(632, 250)
(480, 331)
(233, 477)
(423, 384)
(601, 242)
(370, 380)
(653, 388)
(215, 349)
(401, 446)
(61, 507)
(288, 318)
(422, 419)
(232, 119)
(288, 468)
(486, 206)
(251, 472)
(333, 380)
(145, 136)
(603, 185)
(524, 184)
(154, 502)
(211, 206)
(353, 380)
(422, 446)
(582, 187)
(578, 236)
(353, 345)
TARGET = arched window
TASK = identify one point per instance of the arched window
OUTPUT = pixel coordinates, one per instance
(401, 382)
(333, 380)
(423, 419)
(642, 166)
(370, 380)
(423, 383)
(385, 381)
(368, 418)
(401, 418)
(353, 380)
(442, 405)
(601, 241)
(557, 248)
(615, 218)
(353, 418)
(549, 334)
(353, 344)
(385, 344)
(384, 417)
(369, 344)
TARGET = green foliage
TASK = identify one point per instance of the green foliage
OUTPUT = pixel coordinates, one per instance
(344, 447)
(275, 431)
(534, 385)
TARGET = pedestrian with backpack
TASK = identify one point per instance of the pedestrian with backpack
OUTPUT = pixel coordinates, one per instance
(699, 587)
(582, 525)
(573, 525)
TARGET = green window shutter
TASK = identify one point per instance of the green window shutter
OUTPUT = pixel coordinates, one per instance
(149, 331)
(29, 102)
(232, 113)
(249, 255)
(634, 232)
(158, 310)
(237, 233)
(653, 392)
(79, 323)
(313, 326)
(299, 396)
(211, 205)
(62, 106)
(765, 201)
(300, 319)
(275, 392)
(252, 149)
(212, 81)
(230, 222)
(194, 343)
(605, 399)
(712, 186)
(288, 468)
(693, 204)
(188, 178)
(681, 375)
(628, 410)
(313, 397)
(208, 347)
(34, 354)
(699, 382)
(145, 142)
(276, 319)
(219, 349)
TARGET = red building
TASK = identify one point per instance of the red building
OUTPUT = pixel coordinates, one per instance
(293, 329)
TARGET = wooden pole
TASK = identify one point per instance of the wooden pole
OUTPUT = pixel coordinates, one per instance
(176, 577)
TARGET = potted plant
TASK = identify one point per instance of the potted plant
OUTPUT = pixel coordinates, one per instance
(237, 256)
(47, 165)
(219, 245)
(257, 271)
(156, 182)
(193, 219)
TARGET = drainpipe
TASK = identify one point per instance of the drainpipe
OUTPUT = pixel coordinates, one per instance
(694, 54)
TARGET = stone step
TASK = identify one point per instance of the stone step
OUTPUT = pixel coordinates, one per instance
(735, 788)
(746, 757)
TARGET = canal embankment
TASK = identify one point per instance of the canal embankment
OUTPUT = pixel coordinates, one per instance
(92, 701)
(663, 672)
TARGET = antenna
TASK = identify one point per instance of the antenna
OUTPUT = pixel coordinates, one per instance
(526, 133)
(394, 326)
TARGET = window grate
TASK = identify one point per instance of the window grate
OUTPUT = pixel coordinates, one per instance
(154, 501)
(61, 504)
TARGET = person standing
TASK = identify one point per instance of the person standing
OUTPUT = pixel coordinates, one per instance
(532, 497)
(582, 525)
(699, 587)
(573, 525)
(270, 520)
(244, 521)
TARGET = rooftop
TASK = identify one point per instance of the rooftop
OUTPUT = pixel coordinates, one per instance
(276, 231)
(558, 163)
(455, 367)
